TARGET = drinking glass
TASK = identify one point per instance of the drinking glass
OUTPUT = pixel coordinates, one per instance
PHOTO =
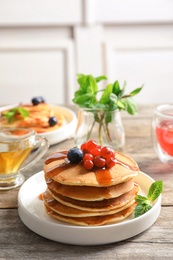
(162, 132)
(20, 148)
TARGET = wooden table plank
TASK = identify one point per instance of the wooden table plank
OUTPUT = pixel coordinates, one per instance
(17, 240)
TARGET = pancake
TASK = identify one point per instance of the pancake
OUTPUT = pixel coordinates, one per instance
(90, 193)
(66, 173)
(101, 205)
(95, 220)
(62, 209)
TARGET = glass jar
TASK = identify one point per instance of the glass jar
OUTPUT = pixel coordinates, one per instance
(105, 127)
(162, 132)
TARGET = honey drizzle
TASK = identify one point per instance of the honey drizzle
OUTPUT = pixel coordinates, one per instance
(103, 176)
(56, 156)
(52, 172)
(40, 196)
(133, 168)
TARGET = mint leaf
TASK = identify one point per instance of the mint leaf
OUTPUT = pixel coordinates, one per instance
(116, 88)
(120, 104)
(83, 81)
(121, 93)
(155, 190)
(12, 113)
(136, 91)
(23, 112)
(108, 117)
(90, 90)
(144, 203)
(83, 100)
(141, 209)
(142, 200)
(105, 98)
(98, 106)
(93, 83)
(98, 79)
(113, 96)
(130, 106)
(79, 93)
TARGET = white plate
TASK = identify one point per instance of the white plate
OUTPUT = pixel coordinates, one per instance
(32, 213)
(64, 132)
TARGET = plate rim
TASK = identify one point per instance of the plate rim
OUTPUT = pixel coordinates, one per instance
(25, 216)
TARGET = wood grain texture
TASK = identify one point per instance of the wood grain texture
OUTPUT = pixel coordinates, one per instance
(18, 242)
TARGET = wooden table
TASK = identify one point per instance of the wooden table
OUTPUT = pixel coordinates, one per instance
(18, 242)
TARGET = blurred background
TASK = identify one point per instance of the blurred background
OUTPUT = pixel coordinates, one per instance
(44, 44)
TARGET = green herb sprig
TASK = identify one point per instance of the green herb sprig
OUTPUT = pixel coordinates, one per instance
(144, 203)
(112, 96)
(11, 114)
(102, 102)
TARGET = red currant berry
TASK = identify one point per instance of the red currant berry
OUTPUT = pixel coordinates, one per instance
(107, 152)
(83, 146)
(88, 164)
(88, 156)
(95, 152)
(99, 161)
(110, 162)
(90, 145)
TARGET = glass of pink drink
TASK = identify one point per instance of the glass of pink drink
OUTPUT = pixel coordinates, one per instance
(162, 130)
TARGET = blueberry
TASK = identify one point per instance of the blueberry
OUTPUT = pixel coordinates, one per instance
(75, 155)
(52, 121)
(37, 100)
(43, 100)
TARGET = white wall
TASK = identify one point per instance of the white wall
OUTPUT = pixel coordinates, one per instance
(44, 44)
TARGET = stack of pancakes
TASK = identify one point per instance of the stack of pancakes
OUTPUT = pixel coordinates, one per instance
(97, 197)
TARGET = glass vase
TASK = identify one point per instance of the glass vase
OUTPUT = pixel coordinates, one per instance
(105, 127)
